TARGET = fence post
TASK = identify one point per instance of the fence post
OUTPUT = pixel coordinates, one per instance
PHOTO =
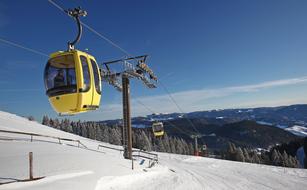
(132, 161)
(31, 165)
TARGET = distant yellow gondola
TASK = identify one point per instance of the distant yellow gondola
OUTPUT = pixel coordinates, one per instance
(157, 129)
(73, 82)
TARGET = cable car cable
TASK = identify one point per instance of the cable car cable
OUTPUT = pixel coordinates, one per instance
(124, 51)
(23, 47)
(45, 55)
(109, 41)
(179, 108)
(150, 110)
(93, 30)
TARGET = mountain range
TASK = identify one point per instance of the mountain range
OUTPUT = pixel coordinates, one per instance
(291, 118)
(250, 127)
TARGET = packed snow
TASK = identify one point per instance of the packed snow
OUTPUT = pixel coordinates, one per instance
(67, 166)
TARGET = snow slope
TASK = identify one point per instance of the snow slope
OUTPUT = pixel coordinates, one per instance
(65, 166)
(298, 130)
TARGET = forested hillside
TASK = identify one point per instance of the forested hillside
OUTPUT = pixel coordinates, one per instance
(245, 141)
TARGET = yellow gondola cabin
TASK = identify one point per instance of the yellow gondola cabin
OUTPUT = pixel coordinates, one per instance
(73, 82)
(157, 129)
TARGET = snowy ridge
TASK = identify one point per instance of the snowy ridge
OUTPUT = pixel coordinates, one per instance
(298, 130)
(66, 166)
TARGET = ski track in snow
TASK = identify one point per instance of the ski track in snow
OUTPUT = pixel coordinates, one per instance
(68, 167)
(153, 179)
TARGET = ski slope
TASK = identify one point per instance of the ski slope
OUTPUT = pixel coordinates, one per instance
(67, 166)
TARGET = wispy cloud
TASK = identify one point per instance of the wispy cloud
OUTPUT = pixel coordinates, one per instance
(268, 84)
(193, 100)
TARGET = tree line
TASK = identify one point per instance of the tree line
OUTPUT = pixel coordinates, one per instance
(141, 138)
(272, 157)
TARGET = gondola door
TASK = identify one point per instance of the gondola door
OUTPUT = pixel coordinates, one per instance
(96, 81)
(85, 89)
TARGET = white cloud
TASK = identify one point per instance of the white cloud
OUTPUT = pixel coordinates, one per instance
(268, 84)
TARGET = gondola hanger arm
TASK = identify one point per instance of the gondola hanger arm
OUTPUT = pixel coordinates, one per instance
(76, 13)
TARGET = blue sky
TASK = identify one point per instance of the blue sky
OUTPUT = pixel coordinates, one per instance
(210, 54)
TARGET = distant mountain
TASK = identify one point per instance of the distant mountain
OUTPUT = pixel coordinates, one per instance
(243, 133)
(278, 116)
(143, 122)
(283, 117)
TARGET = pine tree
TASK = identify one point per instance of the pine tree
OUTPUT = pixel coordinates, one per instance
(144, 143)
(276, 158)
(265, 159)
(246, 155)
(280, 158)
(239, 155)
(83, 130)
(285, 159)
(179, 146)
(166, 143)
(51, 122)
(45, 120)
(65, 125)
(231, 152)
(255, 158)
(115, 136)
(231, 148)
(172, 145)
(185, 147)
(291, 162)
(56, 123)
(31, 118)
(106, 135)
(135, 139)
(160, 145)
(98, 133)
(191, 149)
(91, 130)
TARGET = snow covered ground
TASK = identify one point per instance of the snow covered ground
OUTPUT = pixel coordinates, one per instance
(65, 166)
(298, 130)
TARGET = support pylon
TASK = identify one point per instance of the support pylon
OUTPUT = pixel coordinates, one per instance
(127, 136)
